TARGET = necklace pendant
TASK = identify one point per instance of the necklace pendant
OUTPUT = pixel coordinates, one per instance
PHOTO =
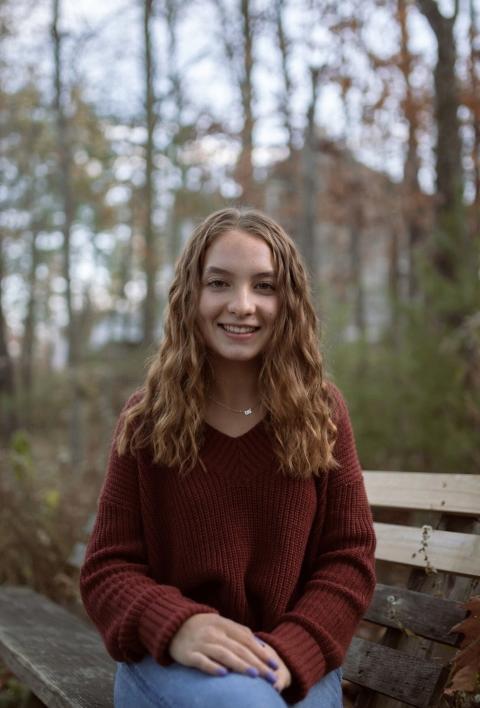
(248, 411)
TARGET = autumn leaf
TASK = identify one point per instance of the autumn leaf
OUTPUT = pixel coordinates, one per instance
(465, 673)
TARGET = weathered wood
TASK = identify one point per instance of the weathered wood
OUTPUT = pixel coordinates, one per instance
(447, 551)
(58, 657)
(424, 615)
(448, 586)
(391, 672)
(449, 493)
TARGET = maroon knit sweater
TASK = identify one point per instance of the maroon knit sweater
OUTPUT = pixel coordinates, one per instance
(293, 560)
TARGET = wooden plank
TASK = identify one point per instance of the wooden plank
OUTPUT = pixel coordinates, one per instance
(450, 493)
(56, 655)
(445, 550)
(409, 611)
(446, 585)
(392, 673)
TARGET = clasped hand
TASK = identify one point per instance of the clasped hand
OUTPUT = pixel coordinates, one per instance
(212, 643)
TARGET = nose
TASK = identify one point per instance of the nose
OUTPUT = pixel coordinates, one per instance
(242, 302)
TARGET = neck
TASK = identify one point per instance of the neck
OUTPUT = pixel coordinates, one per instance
(235, 383)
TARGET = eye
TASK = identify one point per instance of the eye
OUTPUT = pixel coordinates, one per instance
(265, 286)
(215, 284)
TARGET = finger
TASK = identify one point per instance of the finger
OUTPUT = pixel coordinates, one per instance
(263, 658)
(280, 684)
(244, 636)
(283, 682)
(267, 654)
(204, 663)
(237, 658)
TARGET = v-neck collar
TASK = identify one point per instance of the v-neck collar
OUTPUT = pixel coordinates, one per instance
(235, 437)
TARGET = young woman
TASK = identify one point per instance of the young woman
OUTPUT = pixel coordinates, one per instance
(232, 555)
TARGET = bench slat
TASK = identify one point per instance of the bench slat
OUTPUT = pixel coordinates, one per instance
(55, 654)
(392, 673)
(424, 615)
(447, 550)
(450, 493)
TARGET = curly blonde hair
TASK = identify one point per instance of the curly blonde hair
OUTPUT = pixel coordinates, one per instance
(169, 412)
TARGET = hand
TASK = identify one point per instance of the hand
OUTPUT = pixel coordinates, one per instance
(284, 677)
(211, 643)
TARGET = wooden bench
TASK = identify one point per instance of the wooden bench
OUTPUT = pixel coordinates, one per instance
(64, 663)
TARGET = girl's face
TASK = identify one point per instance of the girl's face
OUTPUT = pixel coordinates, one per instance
(238, 299)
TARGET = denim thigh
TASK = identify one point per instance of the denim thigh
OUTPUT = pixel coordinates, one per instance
(146, 684)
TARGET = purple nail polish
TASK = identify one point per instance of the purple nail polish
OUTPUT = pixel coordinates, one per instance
(251, 671)
(221, 671)
(271, 678)
(272, 664)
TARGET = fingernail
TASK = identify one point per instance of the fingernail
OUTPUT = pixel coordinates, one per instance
(259, 641)
(272, 664)
(251, 671)
(221, 672)
(271, 678)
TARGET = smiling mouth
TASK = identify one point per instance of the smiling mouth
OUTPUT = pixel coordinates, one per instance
(238, 329)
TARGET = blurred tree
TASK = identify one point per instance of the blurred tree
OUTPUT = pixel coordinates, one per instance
(68, 214)
(8, 419)
(7, 381)
(453, 255)
(238, 32)
(64, 175)
(286, 95)
(309, 171)
(187, 129)
(151, 249)
(413, 196)
(454, 287)
(473, 102)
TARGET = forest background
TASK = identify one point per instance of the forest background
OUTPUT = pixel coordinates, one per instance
(355, 124)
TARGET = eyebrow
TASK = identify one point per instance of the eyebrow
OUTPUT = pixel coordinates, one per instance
(223, 271)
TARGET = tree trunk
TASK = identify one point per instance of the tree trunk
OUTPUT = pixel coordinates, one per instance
(291, 173)
(455, 303)
(238, 49)
(411, 186)
(286, 100)
(175, 78)
(245, 161)
(65, 191)
(451, 241)
(151, 265)
(8, 420)
(309, 180)
(394, 284)
(29, 324)
(356, 272)
(474, 36)
(64, 180)
(125, 270)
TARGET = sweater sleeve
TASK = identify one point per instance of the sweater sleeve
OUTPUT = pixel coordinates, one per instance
(313, 637)
(134, 614)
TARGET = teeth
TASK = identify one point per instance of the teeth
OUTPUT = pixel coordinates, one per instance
(234, 329)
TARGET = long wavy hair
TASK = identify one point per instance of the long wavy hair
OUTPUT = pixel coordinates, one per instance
(168, 415)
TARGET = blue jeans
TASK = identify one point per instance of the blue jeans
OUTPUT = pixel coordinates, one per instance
(146, 684)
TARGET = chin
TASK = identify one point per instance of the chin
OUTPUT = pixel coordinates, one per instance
(236, 356)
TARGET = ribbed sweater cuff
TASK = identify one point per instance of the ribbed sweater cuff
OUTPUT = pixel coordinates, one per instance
(302, 655)
(161, 619)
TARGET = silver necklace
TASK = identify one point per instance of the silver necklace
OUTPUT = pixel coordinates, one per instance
(245, 411)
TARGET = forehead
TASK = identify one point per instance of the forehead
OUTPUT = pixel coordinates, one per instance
(241, 248)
